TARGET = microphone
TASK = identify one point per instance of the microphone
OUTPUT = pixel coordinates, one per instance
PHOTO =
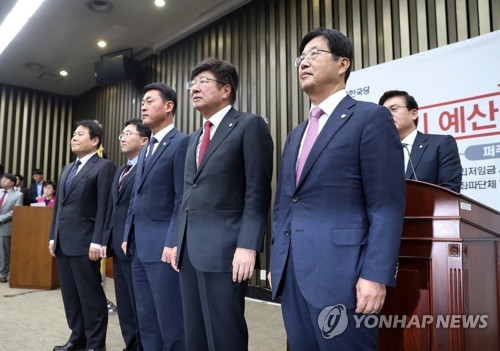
(405, 146)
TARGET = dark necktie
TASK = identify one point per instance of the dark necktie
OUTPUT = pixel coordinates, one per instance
(72, 174)
(2, 198)
(123, 176)
(152, 143)
(205, 141)
(312, 134)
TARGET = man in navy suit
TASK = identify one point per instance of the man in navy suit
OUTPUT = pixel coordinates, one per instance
(36, 188)
(76, 237)
(134, 136)
(151, 223)
(227, 191)
(431, 158)
(339, 208)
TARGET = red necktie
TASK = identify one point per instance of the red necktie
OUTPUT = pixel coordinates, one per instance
(205, 141)
(123, 175)
(2, 198)
(312, 134)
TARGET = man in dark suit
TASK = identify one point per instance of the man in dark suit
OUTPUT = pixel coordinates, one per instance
(134, 136)
(227, 190)
(76, 237)
(339, 208)
(151, 223)
(36, 188)
(430, 158)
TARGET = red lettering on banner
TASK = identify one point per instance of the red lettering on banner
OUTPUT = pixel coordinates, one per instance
(472, 117)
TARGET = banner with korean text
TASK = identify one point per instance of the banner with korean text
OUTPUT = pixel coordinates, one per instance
(457, 88)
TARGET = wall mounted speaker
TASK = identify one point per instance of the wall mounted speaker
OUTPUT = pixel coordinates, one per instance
(115, 69)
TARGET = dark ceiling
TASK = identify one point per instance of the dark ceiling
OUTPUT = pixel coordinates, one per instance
(63, 35)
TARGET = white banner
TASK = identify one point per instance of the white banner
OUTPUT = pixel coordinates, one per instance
(457, 88)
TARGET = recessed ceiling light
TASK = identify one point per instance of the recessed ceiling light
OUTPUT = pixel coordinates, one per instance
(100, 6)
(34, 66)
(160, 3)
(101, 44)
(63, 73)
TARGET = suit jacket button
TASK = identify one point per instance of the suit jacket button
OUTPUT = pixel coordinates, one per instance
(295, 199)
(195, 185)
(287, 232)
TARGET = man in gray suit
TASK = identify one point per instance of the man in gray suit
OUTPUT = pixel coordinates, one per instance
(8, 199)
(134, 136)
(227, 190)
(76, 237)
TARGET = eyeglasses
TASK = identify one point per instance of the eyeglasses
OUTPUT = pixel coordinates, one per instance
(202, 82)
(395, 108)
(311, 56)
(126, 135)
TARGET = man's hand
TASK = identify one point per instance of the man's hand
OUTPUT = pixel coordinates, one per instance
(94, 254)
(370, 296)
(173, 258)
(243, 264)
(103, 251)
(166, 254)
(124, 247)
(269, 278)
(51, 249)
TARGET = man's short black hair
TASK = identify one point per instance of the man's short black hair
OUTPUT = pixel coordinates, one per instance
(95, 129)
(223, 71)
(410, 102)
(338, 44)
(20, 176)
(37, 171)
(167, 93)
(10, 177)
(141, 128)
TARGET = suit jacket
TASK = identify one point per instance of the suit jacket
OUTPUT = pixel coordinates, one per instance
(436, 160)
(116, 217)
(33, 192)
(226, 200)
(12, 198)
(156, 197)
(344, 218)
(78, 216)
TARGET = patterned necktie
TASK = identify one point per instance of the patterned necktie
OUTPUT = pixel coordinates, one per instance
(205, 141)
(152, 143)
(123, 175)
(2, 198)
(312, 134)
(72, 174)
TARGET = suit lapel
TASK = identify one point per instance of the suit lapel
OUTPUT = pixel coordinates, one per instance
(417, 150)
(81, 173)
(162, 146)
(116, 181)
(128, 181)
(337, 119)
(225, 127)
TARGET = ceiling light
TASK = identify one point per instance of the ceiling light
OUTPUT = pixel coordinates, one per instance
(99, 6)
(16, 19)
(63, 73)
(101, 44)
(160, 3)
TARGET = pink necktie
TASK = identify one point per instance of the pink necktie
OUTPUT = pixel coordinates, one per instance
(205, 141)
(312, 134)
(2, 198)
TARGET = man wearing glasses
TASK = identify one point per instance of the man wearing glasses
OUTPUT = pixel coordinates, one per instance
(431, 158)
(227, 190)
(339, 208)
(134, 136)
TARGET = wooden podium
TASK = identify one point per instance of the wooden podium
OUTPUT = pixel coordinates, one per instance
(449, 264)
(31, 265)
